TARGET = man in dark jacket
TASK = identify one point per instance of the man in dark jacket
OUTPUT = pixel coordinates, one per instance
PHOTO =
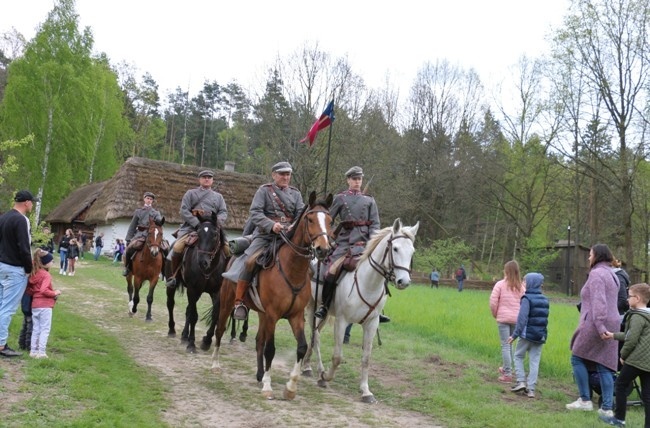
(15, 263)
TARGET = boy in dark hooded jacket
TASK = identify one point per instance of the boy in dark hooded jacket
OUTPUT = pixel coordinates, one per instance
(531, 331)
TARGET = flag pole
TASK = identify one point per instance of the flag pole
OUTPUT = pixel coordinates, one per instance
(327, 158)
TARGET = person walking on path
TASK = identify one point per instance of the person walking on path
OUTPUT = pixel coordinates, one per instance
(504, 304)
(435, 278)
(15, 263)
(99, 244)
(461, 276)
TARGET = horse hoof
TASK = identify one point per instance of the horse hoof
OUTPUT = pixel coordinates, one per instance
(205, 346)
(322, 383)
(233, 340)
(288, 395)
(369, 399)
(268, 395)
(190, 350)
(171, 334)
(307, 373)
(242, 337)
(148, 320)
(131, 314)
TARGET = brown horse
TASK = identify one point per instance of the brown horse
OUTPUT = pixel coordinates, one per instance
(147, 264)
(282, 291)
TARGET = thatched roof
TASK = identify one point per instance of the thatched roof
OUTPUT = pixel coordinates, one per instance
(122, 194)
(75, 206)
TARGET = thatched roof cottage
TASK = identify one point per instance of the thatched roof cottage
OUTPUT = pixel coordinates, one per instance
(108, 206)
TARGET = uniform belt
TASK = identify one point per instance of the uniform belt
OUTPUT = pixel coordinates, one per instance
(282, 219)
(142, 228)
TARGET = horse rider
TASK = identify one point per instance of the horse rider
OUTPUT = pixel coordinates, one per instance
(138, 229)
(275, 206)
(358, 221)
(197, 203)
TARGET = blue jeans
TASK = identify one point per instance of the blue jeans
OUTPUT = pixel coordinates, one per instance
(460, 284)
(98, 252)
(13, 282)
(581, 376)
(534, 355)
(505, 331)
(63, 254)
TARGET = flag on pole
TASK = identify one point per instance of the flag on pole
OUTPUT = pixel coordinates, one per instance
(323, 122)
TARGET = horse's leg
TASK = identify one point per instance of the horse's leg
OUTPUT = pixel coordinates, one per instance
(186, 328)
(244, 331)
(214, 317)
(152, 286)
(337, 354)
(265, 346)
(369, 331)
(129, 289)
(306, 362)
(297, 323)
(192, 319)
(170, 309)
(227, 297)
(233, 328)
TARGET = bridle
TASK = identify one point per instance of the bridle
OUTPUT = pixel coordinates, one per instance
(212, 253)
(155, 243)
(308, 250)
(387, 272)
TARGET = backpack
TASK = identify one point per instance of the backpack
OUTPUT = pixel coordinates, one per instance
(459, 273)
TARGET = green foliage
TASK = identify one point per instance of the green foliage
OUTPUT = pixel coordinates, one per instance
(444, 254)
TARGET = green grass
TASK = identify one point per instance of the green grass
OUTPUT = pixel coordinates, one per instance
(439, 357)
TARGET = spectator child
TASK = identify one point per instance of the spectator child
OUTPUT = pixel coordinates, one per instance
(435, 278)
(531, 331)
(635, 355)
(43, 299)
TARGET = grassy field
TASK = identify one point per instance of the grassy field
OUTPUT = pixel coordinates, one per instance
(439, 357)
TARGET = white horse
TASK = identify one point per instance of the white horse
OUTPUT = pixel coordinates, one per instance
(360, 297)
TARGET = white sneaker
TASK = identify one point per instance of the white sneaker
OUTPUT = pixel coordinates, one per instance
(581, 405)
(41, 356)
(60, 271)
(606, 413)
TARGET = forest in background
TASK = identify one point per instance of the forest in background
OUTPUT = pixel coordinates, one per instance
(490, 173)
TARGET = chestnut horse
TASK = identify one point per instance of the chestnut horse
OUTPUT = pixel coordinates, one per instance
(147, 264)
(203, 264)
(282, 291)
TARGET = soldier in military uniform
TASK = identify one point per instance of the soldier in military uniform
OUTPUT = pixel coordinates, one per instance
(275, 206)
(358, 221)
(137, 233)
(197, 203)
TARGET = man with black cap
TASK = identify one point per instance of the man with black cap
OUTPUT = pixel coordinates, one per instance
(197, 203)
(275, 206)
(139, 227)
(15, 262)
(358, 221)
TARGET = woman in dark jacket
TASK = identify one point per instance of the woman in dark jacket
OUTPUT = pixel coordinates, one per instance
(64, 244)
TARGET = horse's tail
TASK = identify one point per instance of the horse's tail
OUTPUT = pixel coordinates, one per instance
(207, 316)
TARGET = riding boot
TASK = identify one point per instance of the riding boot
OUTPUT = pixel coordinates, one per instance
(128, 253)
(329, 285)
(175, 259)
(241, 311)
(383, 318)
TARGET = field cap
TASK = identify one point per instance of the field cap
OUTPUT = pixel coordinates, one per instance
(206, 173)
(24, 195)
(355, 171)
(149, 194)
(282, 167)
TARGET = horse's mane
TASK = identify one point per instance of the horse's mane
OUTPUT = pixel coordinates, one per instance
(377, 238)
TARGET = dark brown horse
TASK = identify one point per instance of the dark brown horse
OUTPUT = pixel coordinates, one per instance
(203, 264)
(147, 264)
(283, 290)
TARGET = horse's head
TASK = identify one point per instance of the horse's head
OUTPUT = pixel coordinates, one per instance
(154, 236)
(396, 245)
(208, 243)
(314, 226)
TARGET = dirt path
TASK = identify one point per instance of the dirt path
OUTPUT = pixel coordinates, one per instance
(232, 398)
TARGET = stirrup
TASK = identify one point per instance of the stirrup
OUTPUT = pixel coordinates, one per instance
(126, 271)
(321, 313)
(240, 312)
(171, 282)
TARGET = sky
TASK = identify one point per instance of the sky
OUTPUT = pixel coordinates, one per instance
(184, 45)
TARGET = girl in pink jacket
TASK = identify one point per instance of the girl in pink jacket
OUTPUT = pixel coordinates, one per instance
(43, 298)
(504, 304)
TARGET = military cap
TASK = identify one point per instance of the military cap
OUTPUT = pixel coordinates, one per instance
(355, 171)
(149, 194)
(24, 196)
(282, 167)
(206, 173)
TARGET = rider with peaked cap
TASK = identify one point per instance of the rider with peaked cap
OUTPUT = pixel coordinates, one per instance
(275, 206)
(358, 221)
(139, 227)
(199, 202)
